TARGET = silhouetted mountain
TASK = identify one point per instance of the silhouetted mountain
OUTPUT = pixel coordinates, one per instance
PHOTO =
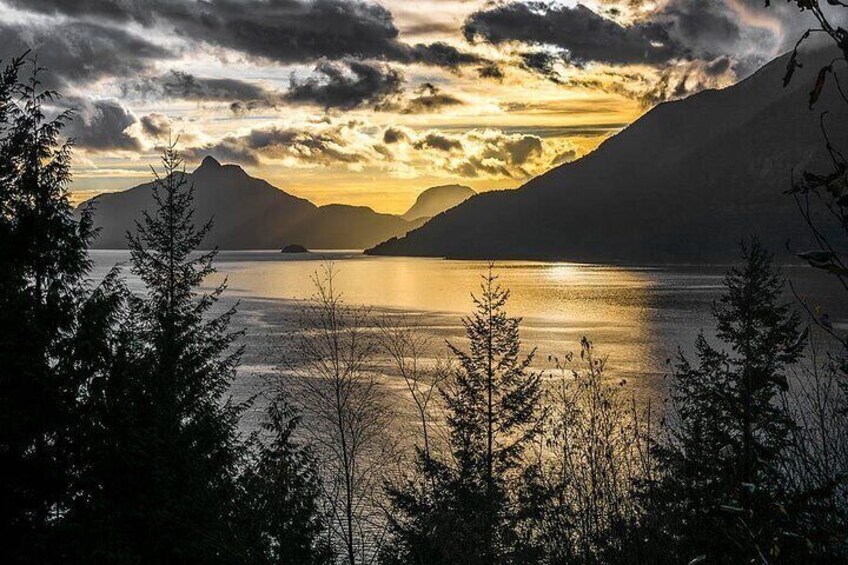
(684, 183)
(437, 199)
(249, 213)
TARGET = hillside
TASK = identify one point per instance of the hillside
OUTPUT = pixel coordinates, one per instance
(436, 200)
(249, 213)
(684, 183)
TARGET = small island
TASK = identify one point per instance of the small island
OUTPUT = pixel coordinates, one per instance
(294, 248)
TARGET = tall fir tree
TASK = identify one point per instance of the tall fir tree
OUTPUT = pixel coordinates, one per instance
(166, 454)
(723, 485)
(465, 509)
(47, 343)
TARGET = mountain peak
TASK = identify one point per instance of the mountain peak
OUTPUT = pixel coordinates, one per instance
(437, 199)
(209, 162)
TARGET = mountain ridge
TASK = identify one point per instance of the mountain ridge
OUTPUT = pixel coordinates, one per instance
(249, 213)
(684, 183)
(437, 199)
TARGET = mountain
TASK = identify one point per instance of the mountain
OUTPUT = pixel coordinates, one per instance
(437, 199)
(684, 183)
(249, 213)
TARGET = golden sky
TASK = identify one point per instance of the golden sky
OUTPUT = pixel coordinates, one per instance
(370, 102)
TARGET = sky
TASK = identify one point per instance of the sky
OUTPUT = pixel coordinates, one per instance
(368, 102)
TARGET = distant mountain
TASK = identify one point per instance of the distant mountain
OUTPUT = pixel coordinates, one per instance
(437, 199)
(249, 213)
(684, 183)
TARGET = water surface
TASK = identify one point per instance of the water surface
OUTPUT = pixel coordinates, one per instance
(637, 316)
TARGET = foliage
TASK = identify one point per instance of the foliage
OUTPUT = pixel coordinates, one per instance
(597, 456)
(725, 490)
(49, 339)
(462, 510)
(349, 416)
(283, 490)
(166, 452)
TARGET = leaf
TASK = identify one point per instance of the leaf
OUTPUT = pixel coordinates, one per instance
(791, 65)
(819, 86)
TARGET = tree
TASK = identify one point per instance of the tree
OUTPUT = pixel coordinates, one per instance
(46, 312)
(723, 480)
(590, 504)
(283, 488)
(166, 452)
(406, 346)
(464, 510)
(821, 478)
(348, 416)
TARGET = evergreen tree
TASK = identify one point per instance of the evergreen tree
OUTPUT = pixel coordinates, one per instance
(283, 488)
(165, 452)
(47, 343)
(723, 482)
(465, 510)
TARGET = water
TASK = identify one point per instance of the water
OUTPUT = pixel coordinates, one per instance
(637, 316)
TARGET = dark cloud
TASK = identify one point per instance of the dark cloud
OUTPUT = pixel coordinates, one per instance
(429, 98)
(189, 87)
(566, 156)
(284, 31)
(678, 30)
(543, 63)
(156, 125)
(394, 135)
(438, 141)
(491, 70)
(100, 125)
(80, 52)
(241, 95)
(586, 35)
(347, 85)
(327, 146)
(441, 54)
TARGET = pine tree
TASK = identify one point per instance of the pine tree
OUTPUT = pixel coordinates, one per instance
(465, 510)
(166, 454)
(45, 335)
(723, 478)
(283, 490)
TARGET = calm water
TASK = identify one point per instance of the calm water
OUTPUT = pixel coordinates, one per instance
(637, 316)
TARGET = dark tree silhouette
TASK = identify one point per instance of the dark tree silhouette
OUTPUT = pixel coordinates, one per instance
(48, 319)
(166, 453)
(822, 196)
(465, 510)
(283, 490)
(723, 462)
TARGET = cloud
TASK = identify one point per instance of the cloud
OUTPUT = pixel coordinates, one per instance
(347, 85)
(102, 125)
(282, 31)
(156, 125)
(80, 52)
(323, 144)
(690, 44)
(441, 54)
(584, 34)
(429, 98)
(242, 96)
(438, 141)
(394, 135)
(477, 153)
(395, 150)
(491, 70)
